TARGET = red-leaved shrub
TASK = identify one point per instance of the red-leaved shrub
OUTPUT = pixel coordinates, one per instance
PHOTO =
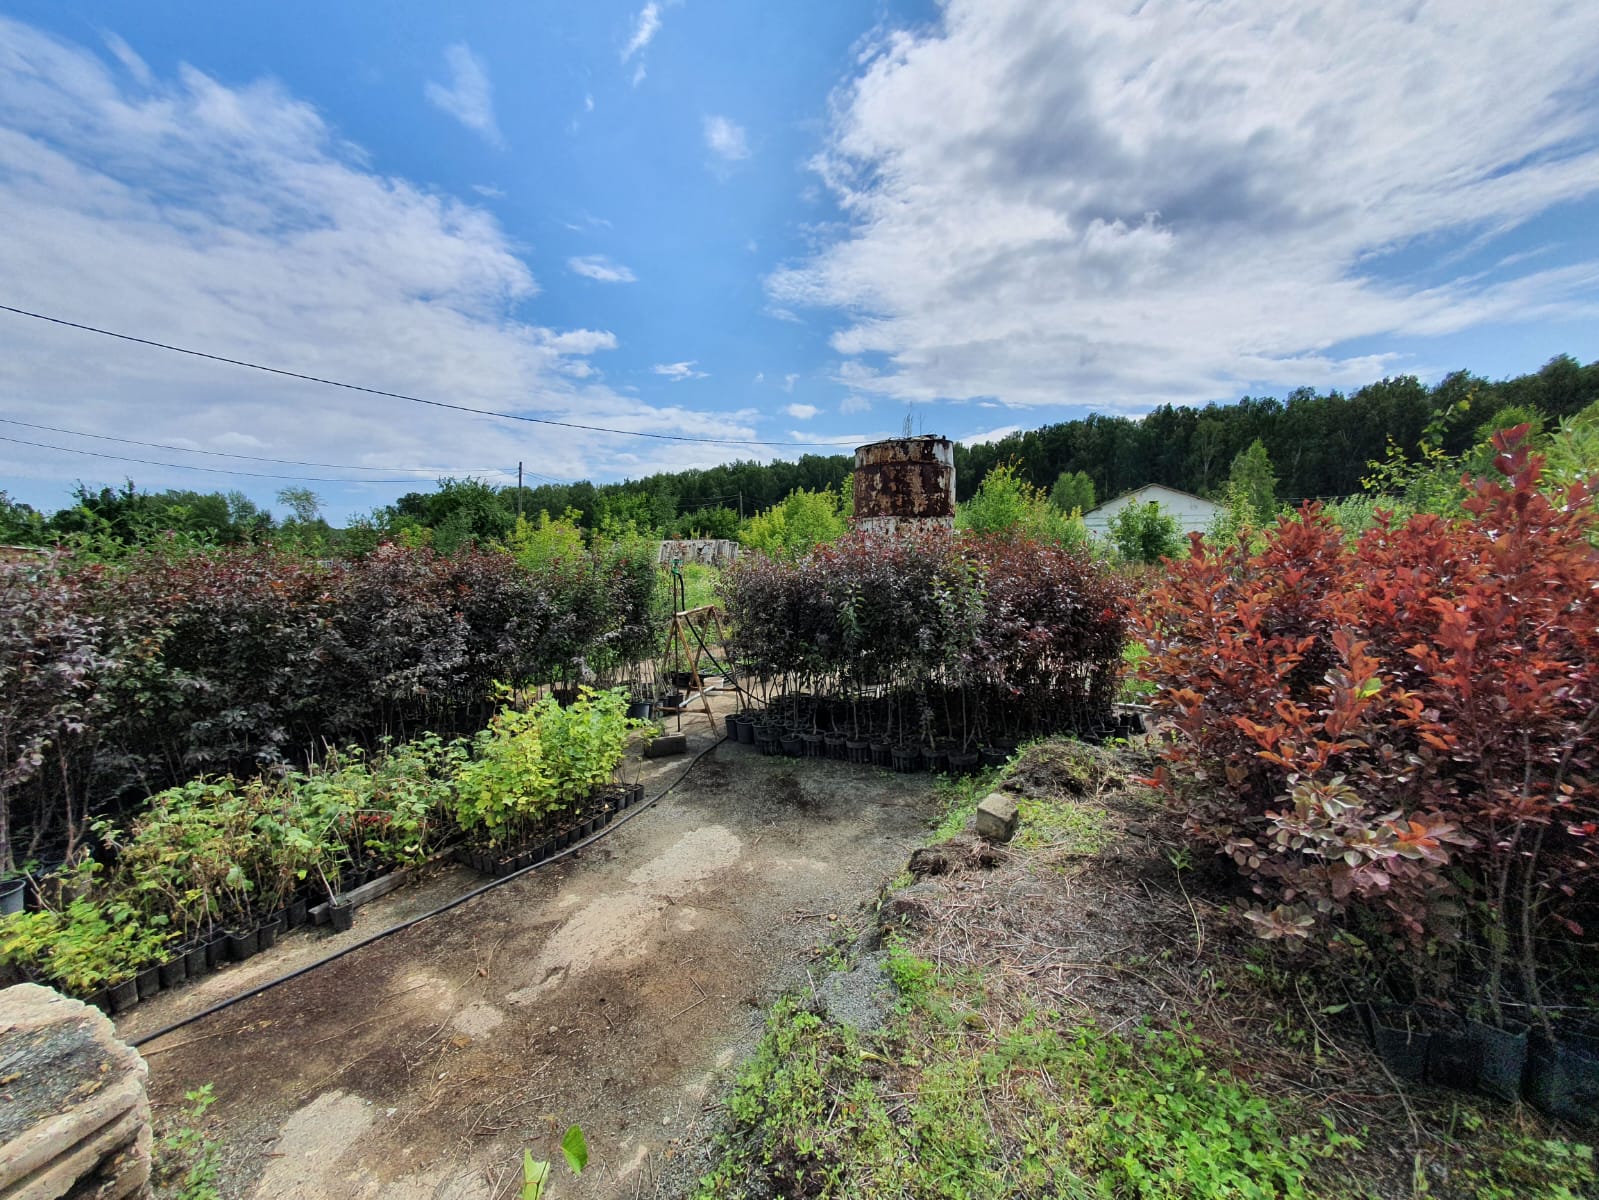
(1402, 728)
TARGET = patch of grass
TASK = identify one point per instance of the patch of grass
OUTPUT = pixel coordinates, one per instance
(1133, 689)
(699, 584)
(1078, 827)
(960, 796)
(942, 1104)
(1503, 1160)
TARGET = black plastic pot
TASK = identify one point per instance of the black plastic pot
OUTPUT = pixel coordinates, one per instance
(194, 963)
(296, 913)
(173, 972)
(882, 754)
(671, 701)
(833, 746)
(766, 740)
(814, 746)
(266, 936)
(791, 744)
(993, 756)
(216, 950)
(149, 982)
(124, 995)
(935, 762)
(681, 679)
(1563, 1077)
(907, 759)
(964, 763)
(100, 1000)
(745, 732)
(1453, 1059)
(859, 752)
(242, 945)
(1403, 1050)
(1501, 1058)
(731, 722)
(342, 917)
(13, 894)
(640, 710)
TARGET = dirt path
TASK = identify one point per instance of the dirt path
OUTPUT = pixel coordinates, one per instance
(605, 990)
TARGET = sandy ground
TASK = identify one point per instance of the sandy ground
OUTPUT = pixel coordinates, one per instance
(608, 990)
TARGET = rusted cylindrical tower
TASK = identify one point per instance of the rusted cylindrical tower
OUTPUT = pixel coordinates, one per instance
(905, 483)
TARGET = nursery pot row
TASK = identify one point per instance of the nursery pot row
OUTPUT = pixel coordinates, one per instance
(773, 739)
(199, 956)
(1558, 1075)
(501, 861)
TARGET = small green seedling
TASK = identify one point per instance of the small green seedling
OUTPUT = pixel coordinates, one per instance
(536, 1172)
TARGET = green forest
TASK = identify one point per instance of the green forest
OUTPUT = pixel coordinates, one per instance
(1320, 446)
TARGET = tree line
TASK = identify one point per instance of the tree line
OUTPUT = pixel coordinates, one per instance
(1319, 445)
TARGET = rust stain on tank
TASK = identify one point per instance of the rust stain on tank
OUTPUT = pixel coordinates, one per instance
(907, 478)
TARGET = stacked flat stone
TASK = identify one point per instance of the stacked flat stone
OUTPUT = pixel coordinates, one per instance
(74, 1115)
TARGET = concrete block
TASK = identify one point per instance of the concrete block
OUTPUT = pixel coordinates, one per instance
(997, 817)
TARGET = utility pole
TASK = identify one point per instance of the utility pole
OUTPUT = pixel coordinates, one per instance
(518, 491)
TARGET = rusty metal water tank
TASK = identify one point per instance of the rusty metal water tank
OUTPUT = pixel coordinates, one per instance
(905, 482)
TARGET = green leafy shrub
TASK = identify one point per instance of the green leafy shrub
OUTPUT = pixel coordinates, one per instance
(803, 521)
(533, 763)
(1145, 533)
(1006, 506)
(86, 946)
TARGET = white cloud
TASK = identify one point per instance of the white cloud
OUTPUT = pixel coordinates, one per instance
(1053, 203)
(802, 412)
(789, 381)
(760, 377)
(993, 435)
(125, 54)
(468, 97)
(854, 403)
(233, 220)
(725, 139)
(598, 267)
(488, 191)
(679, 371)
(645, 28)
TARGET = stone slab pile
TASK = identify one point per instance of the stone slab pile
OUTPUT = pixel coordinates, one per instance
(74, 1114)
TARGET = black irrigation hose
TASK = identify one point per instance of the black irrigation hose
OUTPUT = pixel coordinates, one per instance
(417, 920)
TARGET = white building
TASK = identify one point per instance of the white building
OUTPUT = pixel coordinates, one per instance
(1192, 512)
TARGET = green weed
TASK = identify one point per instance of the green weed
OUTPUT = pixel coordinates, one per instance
(944, 1104)
(185, 1154)
(959, 795)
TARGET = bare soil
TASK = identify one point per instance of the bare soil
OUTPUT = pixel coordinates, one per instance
(607, 989)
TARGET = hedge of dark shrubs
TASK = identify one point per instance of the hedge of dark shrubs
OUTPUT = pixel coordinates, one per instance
(120, 679)
(938, 641)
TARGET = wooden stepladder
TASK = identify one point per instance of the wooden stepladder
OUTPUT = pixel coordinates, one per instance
(691, 633)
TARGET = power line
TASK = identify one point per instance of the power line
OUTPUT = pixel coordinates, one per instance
(196, 467)
(372, 391)
(287, 462)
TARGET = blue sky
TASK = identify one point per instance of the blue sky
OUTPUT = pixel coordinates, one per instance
(789, 223)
